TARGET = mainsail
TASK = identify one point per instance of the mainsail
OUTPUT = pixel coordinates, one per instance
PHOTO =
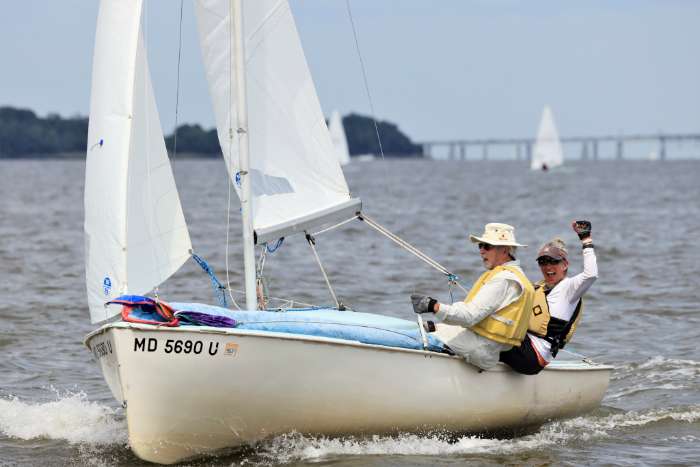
(297, 184)
(135, 231)
(340, 142)
(547, 152)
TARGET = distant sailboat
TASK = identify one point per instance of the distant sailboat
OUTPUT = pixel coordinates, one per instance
(547, 153)
(340, 142)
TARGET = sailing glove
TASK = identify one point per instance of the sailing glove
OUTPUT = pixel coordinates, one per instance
(583, 229)
(423, 303)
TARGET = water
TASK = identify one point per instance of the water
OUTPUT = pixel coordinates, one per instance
(642, 315)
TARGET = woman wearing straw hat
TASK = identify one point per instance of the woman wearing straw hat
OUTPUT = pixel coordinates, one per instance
(494, 316)
(558, 303)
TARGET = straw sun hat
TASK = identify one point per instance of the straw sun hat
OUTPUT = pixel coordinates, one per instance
(497, 234)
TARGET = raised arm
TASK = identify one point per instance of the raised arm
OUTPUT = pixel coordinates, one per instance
(581, 282)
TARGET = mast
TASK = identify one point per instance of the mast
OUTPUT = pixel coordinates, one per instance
(238, 48)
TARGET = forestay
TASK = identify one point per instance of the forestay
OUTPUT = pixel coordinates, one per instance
(547, 150)
(297, 182)
(135, 231)
(340, 142)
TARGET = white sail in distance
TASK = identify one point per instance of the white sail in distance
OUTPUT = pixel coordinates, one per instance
(135, 232)
(547, 152)
(297, 182)
(340, 142)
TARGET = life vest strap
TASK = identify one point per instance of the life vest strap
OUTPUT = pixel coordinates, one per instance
(558, 329)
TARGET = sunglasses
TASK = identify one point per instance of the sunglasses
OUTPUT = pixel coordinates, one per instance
(544, 260)
(485, 246)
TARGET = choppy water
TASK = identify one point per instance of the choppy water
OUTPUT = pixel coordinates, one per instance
(642, 315)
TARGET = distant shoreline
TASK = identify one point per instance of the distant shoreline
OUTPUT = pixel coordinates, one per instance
(184, 155)
(81, 156)
(24, 135)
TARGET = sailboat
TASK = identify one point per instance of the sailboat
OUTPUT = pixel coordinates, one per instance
(547, 153)
(340, 142)
(196, 378)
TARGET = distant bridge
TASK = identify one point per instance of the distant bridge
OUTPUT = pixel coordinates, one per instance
(588, 146)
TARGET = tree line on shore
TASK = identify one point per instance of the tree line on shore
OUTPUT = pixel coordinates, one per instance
(24, 134)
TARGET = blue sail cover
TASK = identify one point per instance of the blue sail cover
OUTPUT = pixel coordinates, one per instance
(367, 328)
(323, 322)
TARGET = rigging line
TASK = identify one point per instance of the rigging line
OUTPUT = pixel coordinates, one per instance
(147, 121)
(261, 261)
(311, 241)
(216, 285)
(582, 357)
(260, 286)
(335, 226)
(177, 82)
(405, 244)
(408, 247)
(287, 300)
(364, 77)
(177, 105)
(275, 247)
(415, 251)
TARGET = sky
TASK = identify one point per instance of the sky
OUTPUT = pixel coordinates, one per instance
(439, 69)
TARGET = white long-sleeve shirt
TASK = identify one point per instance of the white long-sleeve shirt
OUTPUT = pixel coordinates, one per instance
(564, 297)
(500, 291)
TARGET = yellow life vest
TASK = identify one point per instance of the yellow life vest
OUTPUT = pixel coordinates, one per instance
(509, 324)
(543, 324)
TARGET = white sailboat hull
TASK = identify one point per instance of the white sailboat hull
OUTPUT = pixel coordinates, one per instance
(231, 387)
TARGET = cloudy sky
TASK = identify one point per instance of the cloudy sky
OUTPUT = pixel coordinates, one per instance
(440, 69)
